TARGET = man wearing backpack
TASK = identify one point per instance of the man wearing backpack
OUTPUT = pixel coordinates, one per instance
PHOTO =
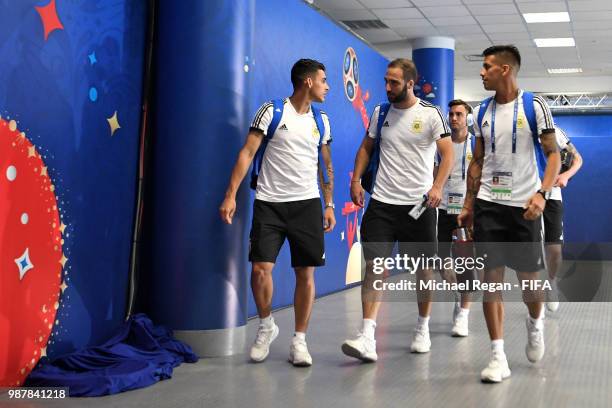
(289, 140)
(459, 120)
(401, 140)
(553, 215)
(514, 131)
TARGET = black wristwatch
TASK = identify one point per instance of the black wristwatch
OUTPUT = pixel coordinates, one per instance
(545, 194)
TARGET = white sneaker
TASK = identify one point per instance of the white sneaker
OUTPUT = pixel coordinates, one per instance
(460, 326)
(535, 340)
(261, 346)
(299, 355)
(496, 371)
(552, 297)
(361, 347)
(552, 306)
(421, 342)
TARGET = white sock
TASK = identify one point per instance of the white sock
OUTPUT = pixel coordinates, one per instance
(497, 347)
(299, 336)
(464, 312)
(423, 322)
(267, 322)
(368, 328)
(537, 322)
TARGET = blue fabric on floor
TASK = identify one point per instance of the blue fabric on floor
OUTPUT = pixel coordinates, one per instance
(138, 355)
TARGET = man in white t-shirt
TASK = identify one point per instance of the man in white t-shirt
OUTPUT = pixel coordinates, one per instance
(553, 218)
(453, 196)
(287, 202)
(505, 198)
(410, 134)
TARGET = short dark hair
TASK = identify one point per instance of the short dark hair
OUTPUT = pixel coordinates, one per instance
(302, 69)
(507, 52)
(408, 68)
(456, 102)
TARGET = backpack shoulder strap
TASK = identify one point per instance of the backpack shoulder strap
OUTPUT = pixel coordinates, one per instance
(484, 105)
(277, 113)
(528, 100)
(382, 115)
(318, 118)
(529, 109)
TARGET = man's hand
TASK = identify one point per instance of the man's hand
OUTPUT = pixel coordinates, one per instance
(434, 197)
(466, 218)
(535, 207)
(227, 210)
(357, 193)
(329, 219)
(561, 180)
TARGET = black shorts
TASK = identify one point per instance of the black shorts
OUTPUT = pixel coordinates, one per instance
(385, 224)
(506, 238)
(300, 222)
(553, 222)
(446, 224)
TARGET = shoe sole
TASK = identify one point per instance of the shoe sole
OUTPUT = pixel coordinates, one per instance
(455, 334)
(353, 352)
(489, 380)
(274, 336)
(415, 351)
(537, 359)
(300, 363)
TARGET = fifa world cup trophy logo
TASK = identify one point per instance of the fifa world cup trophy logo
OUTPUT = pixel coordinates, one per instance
(352, 90)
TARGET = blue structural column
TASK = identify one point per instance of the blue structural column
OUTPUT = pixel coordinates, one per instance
(434, 59)
(197, 281)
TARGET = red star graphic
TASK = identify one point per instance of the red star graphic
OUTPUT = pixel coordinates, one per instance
(50, 19)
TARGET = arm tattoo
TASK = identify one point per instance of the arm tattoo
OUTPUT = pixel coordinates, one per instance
(328, 188)
(549, 144)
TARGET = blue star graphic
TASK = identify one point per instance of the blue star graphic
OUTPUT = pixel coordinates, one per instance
(24, 264)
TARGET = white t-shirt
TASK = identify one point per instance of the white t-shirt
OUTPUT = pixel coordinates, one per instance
(456, 183)
(562, 142)
(289, 170)
(407, 145)
(522, 164)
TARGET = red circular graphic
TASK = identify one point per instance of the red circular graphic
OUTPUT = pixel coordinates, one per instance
(31, 257)
(427, 88)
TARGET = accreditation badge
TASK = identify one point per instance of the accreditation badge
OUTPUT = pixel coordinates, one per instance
(501, 186)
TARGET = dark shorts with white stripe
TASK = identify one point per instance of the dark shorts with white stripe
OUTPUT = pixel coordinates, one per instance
(504, 238)
(385, 224)
(553, 222)
(300, 222)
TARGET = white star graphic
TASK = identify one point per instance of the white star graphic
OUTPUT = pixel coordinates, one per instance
(24, 264)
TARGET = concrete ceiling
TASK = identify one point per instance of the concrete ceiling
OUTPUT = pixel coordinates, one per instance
(477, 24)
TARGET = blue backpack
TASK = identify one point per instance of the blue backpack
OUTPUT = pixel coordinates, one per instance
(277, 113)
(369, 176)
(533, 126)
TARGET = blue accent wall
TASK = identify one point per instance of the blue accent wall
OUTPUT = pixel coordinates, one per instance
(588, 217)
(61, 86)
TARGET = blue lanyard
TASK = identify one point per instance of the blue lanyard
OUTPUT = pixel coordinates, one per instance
(514, 120)
(463, 158)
